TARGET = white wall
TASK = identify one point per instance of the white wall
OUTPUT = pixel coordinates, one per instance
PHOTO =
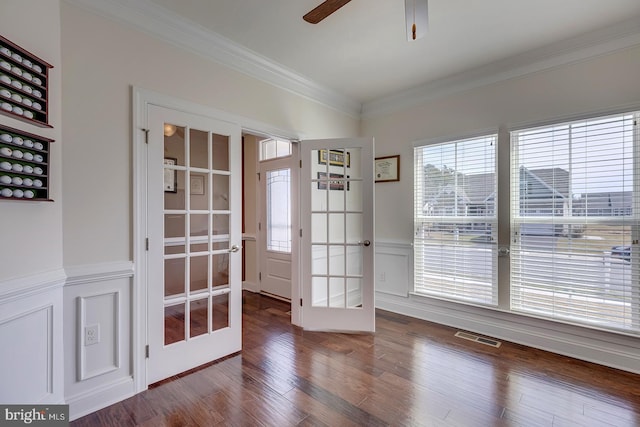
(599, 85)
(31, 275)
(32, 232)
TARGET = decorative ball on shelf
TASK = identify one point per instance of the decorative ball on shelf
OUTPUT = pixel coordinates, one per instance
(18, 193)
(29, 194)
(6, 192)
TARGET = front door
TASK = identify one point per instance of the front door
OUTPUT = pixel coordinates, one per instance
(337, 249)
(194, 213)
(277, 209)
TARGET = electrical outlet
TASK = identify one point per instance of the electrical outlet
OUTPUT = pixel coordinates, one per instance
(91, 334)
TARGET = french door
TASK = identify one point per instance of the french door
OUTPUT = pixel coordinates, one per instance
(194, 212)
(337, 246)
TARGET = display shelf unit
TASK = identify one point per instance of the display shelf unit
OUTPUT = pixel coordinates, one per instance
(24, 85)
(24, 165)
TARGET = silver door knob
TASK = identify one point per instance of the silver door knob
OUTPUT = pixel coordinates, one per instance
(234, 248)
(366, 243)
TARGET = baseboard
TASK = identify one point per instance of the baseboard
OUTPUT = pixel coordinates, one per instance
(601, 347)
(100, 397)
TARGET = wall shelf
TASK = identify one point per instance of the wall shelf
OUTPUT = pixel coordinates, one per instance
(24, 85)
(24, 165)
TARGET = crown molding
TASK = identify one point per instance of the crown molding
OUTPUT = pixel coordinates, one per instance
(160, 23)
(614, 38)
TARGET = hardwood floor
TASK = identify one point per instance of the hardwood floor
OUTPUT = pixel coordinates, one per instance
(409, 372)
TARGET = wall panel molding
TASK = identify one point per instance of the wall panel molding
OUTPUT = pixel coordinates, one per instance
(99, 297)
(31, 320)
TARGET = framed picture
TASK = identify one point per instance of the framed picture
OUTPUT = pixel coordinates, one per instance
(197, 184)
(336, 184)
(334, 157)
(170, 176)
(387, 168)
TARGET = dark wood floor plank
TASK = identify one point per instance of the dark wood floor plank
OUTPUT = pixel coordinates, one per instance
(409, 373)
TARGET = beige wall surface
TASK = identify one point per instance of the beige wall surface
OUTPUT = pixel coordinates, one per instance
(601, 84)
(31, 236)
(102, 61)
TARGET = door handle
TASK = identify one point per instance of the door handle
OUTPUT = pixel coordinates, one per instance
(366, 243)
(234, 248)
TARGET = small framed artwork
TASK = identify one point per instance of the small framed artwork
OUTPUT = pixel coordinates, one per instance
(170, 176)
(197, 184)
(335, 181)
(387, 168)
(334, 157)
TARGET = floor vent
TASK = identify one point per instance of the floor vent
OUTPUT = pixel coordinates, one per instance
(476, 338)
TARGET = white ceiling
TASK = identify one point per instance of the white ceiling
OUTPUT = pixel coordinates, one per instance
(361, 52)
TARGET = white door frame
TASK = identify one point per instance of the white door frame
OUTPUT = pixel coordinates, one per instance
(140, 100)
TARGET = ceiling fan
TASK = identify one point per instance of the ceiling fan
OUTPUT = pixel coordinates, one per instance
(416, 14)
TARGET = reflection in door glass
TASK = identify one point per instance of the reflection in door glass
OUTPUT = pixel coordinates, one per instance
(199, 269)
(197, 180)
(220, 152)
(336, 235)
(279, 210)
(220, 192)
(198, 149)
(174, 272)
(174, 324)
(198, 318)
(220, 269)
(220, 312)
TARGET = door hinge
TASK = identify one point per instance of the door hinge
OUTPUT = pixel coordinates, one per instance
(146, 136)
(300, 164)
(146, 243)
(258, 176)
(300, 302)
(260, 276)
(146, 351)
(301, 232)
(259, 226)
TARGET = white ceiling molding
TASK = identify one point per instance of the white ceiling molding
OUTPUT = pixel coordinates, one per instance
(608, 40)
(172, 28)
(156, 21)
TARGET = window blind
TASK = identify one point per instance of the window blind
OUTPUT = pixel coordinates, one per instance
(575, 222)
(455, 240)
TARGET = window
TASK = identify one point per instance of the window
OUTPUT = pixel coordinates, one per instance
(575, 220)
(274, 148)
(573, 217)
(279, 210)
(455, 244)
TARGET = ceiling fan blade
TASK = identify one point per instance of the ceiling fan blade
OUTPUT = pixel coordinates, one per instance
(325, 9)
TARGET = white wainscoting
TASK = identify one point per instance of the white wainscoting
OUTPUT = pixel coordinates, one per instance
(100, 373)
(394, 261)
(31, 355)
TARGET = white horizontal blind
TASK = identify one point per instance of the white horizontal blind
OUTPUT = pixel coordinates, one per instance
(575, 222)
(455, 241)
